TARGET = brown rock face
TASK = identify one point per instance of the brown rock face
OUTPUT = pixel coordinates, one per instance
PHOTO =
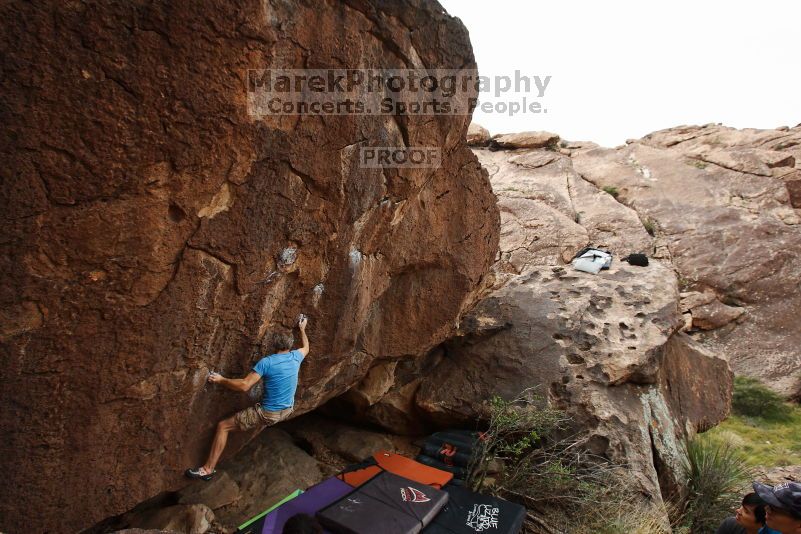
(721, 204)
(152, 230)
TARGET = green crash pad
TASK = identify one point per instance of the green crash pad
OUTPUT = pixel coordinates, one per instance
(249, 527)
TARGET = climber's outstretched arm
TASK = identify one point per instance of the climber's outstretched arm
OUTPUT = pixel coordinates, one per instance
(236, 384)
(304, 349)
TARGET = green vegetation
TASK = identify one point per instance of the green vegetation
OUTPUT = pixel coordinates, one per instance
(715, 474)
(684, 282)
(524, 458)
(515, 189)
(753, 399)
(612, 190)
(650, 226)
(763, 428)
(528, 456)
(515, 430)
(697, 163)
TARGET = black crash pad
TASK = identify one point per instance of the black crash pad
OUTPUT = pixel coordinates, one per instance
(468, 512)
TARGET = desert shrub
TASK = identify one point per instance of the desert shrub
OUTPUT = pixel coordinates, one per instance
(714, 475)
(612, 190)
(564, 487)
(624, 515)
(697, 163)
(514, 430)
(650, 226)
(753, 399)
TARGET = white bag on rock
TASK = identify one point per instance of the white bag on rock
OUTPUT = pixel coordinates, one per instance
(592, 260)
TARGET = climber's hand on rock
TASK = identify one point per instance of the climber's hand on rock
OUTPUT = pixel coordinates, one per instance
(215, 377)
(302, 323)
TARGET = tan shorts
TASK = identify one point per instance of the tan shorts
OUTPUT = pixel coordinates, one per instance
(255, 416)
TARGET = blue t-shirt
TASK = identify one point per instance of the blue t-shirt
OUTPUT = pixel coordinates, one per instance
(279, 372)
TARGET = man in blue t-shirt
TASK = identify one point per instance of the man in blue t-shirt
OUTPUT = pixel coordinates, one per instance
(279, 372)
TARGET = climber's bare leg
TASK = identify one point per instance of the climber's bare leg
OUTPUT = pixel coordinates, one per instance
(218, 445)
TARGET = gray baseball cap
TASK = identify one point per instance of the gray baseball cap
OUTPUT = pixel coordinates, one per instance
(786, 496)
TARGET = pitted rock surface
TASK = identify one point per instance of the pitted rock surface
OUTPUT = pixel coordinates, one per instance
(721, 202)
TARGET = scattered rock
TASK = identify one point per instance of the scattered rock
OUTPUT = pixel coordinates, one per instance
(777, 475)
(775, 158)
(525, 140)
(357, 445)
(746, 161)
(184, 518)
(218, 492)
(715, 315)
(373, 386)
(477, 135)
(794, 192)
(338, 444)
(270, 467)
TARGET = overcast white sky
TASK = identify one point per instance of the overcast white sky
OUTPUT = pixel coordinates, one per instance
(624, 68)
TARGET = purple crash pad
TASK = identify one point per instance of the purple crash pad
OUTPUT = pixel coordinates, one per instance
(313, 499)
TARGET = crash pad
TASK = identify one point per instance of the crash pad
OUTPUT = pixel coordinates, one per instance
(394, 463)
(466, 438)
(408, 468)
(455, 470)
(387, 503)
(468, 512)
(309, 502)
(449, 453)
(365, 515)
(359, 476)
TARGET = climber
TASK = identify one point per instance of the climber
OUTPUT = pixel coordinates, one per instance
(279, 371)
(783, 510)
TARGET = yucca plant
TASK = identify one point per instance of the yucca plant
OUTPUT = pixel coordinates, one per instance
(715, 475)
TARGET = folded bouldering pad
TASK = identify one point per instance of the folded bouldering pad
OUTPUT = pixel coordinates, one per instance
(408, 468)
(387, 503)
(468, 512)
(364, 515)
(455, 470)
(447, 452)
(357, 474)
(309, 502)
(394, 463)
(465, 438)
(255, 524)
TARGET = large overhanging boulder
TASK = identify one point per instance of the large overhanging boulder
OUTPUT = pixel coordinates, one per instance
(153, 231)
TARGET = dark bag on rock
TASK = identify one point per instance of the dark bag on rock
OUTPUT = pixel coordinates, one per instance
(640, 260)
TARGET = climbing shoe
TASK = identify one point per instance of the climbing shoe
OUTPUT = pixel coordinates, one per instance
(200, 473)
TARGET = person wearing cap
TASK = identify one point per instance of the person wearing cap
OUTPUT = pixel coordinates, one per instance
(783, 510)
(748, 519)
(279, 371)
